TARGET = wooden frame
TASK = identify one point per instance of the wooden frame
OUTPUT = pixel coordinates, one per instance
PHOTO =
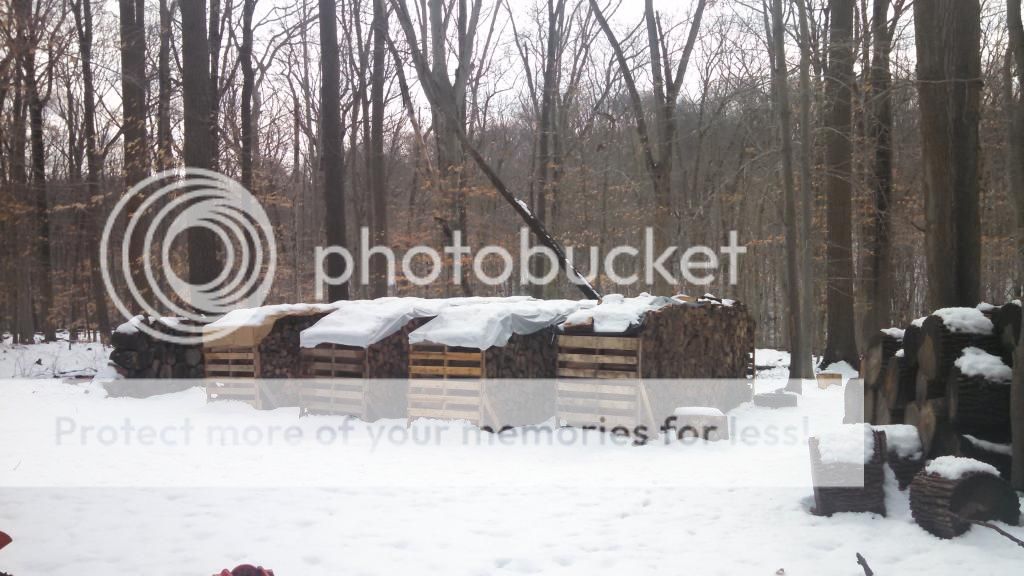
(335, 381)
(231, 373)
(446, 382)
(584, 400)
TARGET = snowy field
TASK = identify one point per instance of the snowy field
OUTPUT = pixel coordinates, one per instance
(79, 497)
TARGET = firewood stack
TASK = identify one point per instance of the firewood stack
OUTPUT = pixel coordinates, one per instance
(137, 354)
(836, 476)
(922, 385)
(952, 492)
(279, 350)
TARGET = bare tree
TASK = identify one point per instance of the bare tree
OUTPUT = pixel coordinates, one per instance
(841, 342)
(947, 36)
(657, 149)
(332, 159)
(1016, 26)
(202, 256)
(378, 181)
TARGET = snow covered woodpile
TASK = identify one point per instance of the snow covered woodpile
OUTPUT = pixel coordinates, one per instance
(1000, 456)
(489, 363)
(924, 383)
(656, 353)
(952, 492)
(355, 361)
(847, 470)
(137, 354)
(247, 346)
(905, 454)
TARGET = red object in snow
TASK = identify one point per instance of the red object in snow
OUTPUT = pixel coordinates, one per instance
(246, 570)
(4, 540)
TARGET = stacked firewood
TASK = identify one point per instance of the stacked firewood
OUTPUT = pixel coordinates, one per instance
(920, 379)
(279, 350)
(137, 354)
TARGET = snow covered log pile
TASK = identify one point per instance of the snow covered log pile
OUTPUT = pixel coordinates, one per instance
(847, 470)
(667, 352)
(137, 354)
(949, 379)
(951, 493)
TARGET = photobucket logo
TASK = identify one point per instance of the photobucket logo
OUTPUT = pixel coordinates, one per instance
(163, 208)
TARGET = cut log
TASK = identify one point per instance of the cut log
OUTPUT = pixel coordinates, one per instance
(898, 385)
(911, 343)
(940, 347)
(926, 388)
(870, 403)
(945, 507)
(979, 407)
(833, 491)
(1007, 321)
(932, 421)
(880, 351)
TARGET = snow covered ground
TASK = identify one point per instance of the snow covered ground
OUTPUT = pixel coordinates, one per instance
(369, 500)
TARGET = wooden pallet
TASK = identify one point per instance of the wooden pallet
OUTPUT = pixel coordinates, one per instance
(584, 399)
(231, 373)
(334, 361)
(343, 396)
(447, 383)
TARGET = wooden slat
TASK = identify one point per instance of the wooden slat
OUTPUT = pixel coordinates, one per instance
(597, 403)
(242, 369)
(596, 373)
(467, 385)
(228, 356)
(444, 414)
(599, 342)
(594, 387)
(445, 370)
(596, 359)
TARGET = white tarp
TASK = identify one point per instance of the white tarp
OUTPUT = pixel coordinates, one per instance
(617, 313)
(481, 326)
(365, 322)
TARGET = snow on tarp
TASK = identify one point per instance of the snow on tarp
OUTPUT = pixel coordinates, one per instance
(697, 411)
(918, 322)
(977, 362)
(248, 326)
(132, 325)
(484, 325)
(896, 333)
(848, 444)
(616, 313)
(969, 320)
(902, 439)
(954, 468)
(365, 322)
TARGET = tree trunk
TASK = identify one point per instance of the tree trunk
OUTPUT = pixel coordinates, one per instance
(94, 163)
(24, 326)
(780, 77)
(136, 147)
(805, 364)
(202, 244)
(949, 87)
(878, 268)
(1013, 14)
(332, 161)
(164, 144)
(378, 181)
(841, 344)
(213, 46)
(248, 79)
